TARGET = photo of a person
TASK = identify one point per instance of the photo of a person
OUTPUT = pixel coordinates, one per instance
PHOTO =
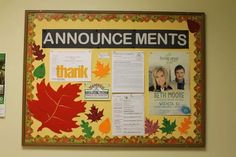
(2, 77)
(179, 82)
(160, 80)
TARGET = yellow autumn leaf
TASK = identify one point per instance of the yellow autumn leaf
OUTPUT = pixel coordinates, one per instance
(101, 70)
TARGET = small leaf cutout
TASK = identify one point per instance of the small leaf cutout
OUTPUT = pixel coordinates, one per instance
(39, 72)
(101, 70)
(193, 26)
(94, 114)
(37, 52)
(87, 130)
(151, 127)
(105, 126)
(185, 125)
(168, 127)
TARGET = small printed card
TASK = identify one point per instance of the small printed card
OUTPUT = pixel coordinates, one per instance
(97, 91)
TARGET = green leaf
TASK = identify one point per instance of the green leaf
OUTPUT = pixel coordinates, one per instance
(87, 130)
(39, 72)
(168, 127)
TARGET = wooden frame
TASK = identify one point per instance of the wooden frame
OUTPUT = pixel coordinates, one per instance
(91, 122)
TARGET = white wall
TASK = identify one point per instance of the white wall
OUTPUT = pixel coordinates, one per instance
(220, 75)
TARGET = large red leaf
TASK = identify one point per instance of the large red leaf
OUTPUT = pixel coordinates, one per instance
(56, 109)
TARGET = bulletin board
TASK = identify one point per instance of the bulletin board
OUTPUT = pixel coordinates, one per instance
(98, 78)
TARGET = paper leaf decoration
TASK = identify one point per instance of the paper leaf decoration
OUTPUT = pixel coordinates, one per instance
(193, 26)
(105, 126)
(39, 72)
(101, 70)
(37, 52)
(168, 127)
(94, 114)
(87, 130)
(56, 109)
(185, 125)
(151, 127)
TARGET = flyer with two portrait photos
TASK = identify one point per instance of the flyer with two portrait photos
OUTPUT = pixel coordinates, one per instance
(169, 93)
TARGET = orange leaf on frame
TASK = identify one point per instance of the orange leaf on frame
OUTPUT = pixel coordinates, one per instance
(105, 126)
(185, 125)
(101, 70)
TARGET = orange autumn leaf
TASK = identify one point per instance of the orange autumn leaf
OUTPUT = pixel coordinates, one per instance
(101, 70)
(185, 125)
(105, 126)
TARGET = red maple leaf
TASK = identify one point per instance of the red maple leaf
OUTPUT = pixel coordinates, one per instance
(151, 127)
(37, 52)
(56, 109)
(94, 114)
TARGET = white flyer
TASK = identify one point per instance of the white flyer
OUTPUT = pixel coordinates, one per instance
(127, 114)
(127, 72)
(70, 65)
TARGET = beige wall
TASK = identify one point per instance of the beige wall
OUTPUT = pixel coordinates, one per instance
(220, 73)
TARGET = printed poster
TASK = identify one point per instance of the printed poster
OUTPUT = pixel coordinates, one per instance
(169, 92)
(2, 84)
